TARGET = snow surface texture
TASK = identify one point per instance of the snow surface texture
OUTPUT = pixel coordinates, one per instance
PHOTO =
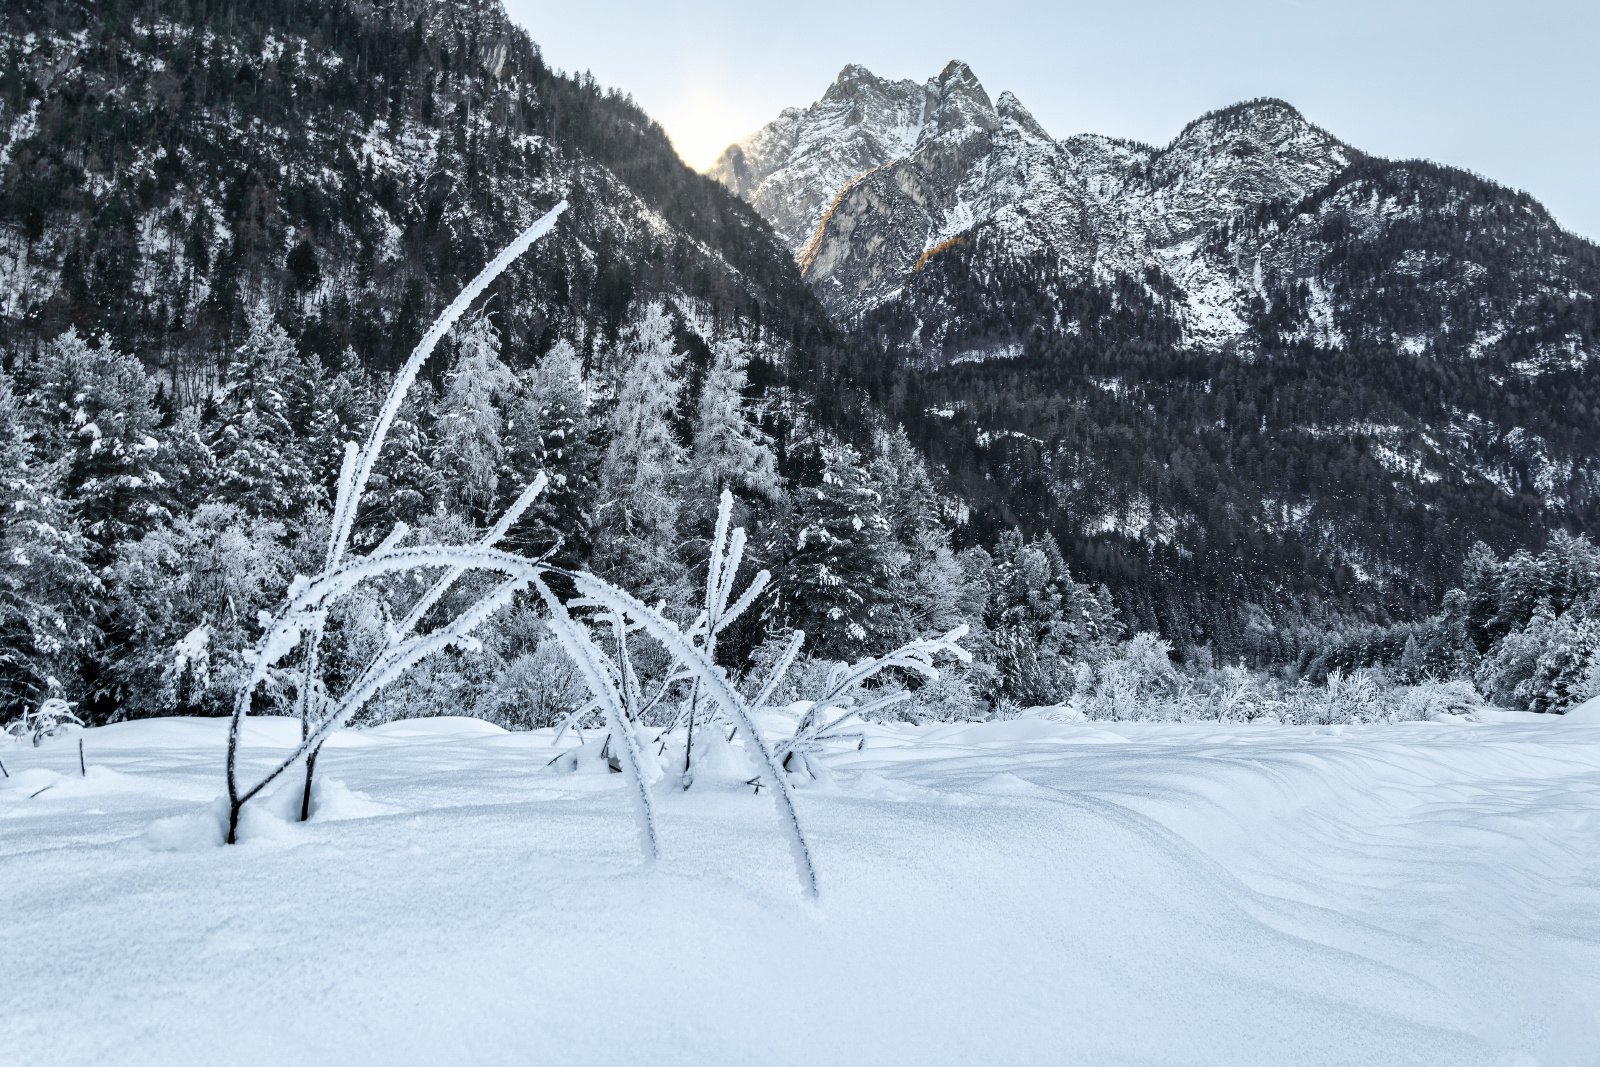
(1009, 892)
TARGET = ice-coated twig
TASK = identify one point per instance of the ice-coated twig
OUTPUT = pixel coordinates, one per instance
(914, 655)
(780, 670)
(352, 702)
(419, 356)
(575, 640)
(717, 688)
(814, 730)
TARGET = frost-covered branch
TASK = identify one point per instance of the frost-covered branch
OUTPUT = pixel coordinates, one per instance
(303, 618)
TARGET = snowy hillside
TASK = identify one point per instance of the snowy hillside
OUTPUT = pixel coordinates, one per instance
(1013, 892)
(351, 165)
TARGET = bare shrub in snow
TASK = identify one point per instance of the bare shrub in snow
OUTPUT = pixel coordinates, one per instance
(826, 712)
(305, 617)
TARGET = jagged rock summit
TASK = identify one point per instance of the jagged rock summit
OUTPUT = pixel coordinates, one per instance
(1248, 215)
(794, 166)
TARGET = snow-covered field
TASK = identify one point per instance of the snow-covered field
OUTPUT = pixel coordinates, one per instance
(1009, 892)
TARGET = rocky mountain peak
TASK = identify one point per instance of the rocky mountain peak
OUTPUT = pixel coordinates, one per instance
(1012, 113)
(957, 103)
(792, 168)
(1194, 213)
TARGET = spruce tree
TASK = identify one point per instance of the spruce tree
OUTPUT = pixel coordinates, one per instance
(261, 462)
(550, 430)
(644, 466)
(835, 584)
(468, 450)
(47, 592)
(96, 412)
(730, 450)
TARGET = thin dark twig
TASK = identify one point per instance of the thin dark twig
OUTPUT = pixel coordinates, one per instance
(82, 769)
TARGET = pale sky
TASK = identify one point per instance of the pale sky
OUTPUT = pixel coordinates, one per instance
(1510, 90)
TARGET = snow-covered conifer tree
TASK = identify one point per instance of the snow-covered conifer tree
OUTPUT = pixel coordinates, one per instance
(1563, 674)
(730, 450)
(835, 583)
(928, 586)
(260, 462)
(550, 430)
(404, 486)
(1042, 622)
(644, 464)
(260, 368)
(96, 412)
(468, 427)
(329, 407)
(186, 599)
(1502, 675)
(46, 590)
(1412, 661)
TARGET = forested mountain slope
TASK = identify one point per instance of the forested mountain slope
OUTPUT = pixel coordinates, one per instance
(1254, 379)
(166, 164)
(223, 225)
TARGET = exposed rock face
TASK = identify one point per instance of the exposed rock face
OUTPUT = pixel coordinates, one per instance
(1245, 205)
(792, 169)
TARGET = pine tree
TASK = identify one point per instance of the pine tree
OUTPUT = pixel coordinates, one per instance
(404, 486)
(835, 584)
(1502, 675)
(186, 600)
(96, 410)
(730, 450)
(644, 464)
(928, 586)
(1562, 676)
(550, 430)
(468, 450)
(1043, 623)
(47, 593)
(1412, 661)
(261, 462)
(329, 407)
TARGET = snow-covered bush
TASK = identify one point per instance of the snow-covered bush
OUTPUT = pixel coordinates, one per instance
(1358, 697)
(538, 689)
(52, 718)
(1139, 682)
(1430, 699)
(1231, 694)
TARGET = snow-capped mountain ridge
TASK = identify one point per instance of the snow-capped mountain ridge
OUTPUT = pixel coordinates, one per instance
(1194, 211)
(793, 168)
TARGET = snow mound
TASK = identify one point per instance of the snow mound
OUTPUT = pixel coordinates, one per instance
(207, 828)
(442, 726)
(1585, 714)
